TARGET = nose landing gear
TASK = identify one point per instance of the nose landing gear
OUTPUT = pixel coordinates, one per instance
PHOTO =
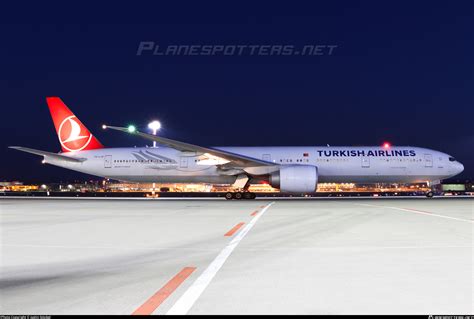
(435, 189)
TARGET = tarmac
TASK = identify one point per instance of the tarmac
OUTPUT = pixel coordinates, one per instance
(268, 256)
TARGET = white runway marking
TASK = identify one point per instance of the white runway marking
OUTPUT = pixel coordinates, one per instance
(419, 212)
(187, 300)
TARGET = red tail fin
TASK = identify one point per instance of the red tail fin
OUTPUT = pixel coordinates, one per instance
(72, 134)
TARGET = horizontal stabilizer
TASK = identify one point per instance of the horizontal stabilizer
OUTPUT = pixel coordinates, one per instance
(55, 156)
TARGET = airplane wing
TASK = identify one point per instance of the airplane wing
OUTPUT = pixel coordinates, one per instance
(48, 154)
(236, 160)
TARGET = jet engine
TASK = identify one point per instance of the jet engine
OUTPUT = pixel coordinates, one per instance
(295, 178)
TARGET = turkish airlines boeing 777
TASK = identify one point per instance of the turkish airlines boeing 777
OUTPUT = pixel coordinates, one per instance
(291, 169)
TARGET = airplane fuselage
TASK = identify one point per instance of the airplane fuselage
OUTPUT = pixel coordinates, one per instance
(396, 164)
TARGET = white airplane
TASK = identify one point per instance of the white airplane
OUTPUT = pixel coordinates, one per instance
(291, 169)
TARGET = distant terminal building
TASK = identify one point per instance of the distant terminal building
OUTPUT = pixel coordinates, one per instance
(16, 186)
(457, 186)
(112, 186)
(450, 187)
(258, 188)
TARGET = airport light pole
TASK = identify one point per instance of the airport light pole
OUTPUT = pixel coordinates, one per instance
(45, 187)
(154, 126)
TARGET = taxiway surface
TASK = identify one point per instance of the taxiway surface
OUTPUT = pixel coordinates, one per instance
(351, 256)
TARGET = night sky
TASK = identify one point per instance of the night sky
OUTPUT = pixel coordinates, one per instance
(401, 72)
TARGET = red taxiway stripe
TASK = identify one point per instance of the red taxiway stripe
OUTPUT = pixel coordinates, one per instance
(157, 299)
(234, 229)
(254, 213)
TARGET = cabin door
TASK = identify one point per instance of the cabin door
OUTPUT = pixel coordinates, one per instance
(108, 161)
(428, 160)
(365, 161)
(183, 162)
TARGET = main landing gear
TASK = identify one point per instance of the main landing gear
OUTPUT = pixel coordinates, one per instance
(241, 183)
(240, 195)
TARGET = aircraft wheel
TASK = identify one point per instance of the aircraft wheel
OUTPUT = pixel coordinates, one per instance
(429, 194)
(238, 195)
(229, 195)
(247, 195)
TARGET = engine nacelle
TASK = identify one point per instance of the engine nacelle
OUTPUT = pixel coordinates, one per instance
(295, 178)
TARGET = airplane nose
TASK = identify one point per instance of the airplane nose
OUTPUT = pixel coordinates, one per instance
(459, 167)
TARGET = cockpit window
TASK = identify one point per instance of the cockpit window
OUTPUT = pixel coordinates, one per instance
(452, 159)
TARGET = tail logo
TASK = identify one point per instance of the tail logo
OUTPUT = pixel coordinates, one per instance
(70, 137)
